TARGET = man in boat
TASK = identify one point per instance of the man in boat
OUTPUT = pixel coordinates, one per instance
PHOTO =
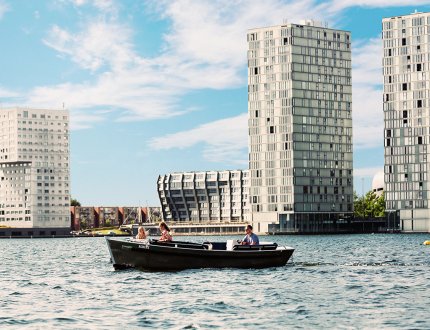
(250, 238)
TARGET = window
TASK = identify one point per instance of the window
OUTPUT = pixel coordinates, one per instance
(419, 103)
(404, 87)
(403, 41)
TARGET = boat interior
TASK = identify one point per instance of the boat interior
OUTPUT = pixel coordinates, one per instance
(221, 246)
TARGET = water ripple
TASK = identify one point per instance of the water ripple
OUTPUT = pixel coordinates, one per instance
(344, 281)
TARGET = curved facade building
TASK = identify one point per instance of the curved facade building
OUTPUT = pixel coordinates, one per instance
(205, 196)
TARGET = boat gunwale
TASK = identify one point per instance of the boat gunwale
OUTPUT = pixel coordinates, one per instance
(154, 248)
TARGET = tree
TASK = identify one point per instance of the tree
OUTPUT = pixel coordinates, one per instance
(379, 209)
(359, 207)
(74, 202)
(83, 224)
(369, 205)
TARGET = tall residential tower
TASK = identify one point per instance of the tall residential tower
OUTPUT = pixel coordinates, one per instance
(406, 64)
(34, 168)
(300, 127)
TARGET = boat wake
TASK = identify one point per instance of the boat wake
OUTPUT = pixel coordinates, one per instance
(390, 263)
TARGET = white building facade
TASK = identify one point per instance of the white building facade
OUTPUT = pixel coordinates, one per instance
(34, 168)
(205, 197)
(406, 62)
(300, 127)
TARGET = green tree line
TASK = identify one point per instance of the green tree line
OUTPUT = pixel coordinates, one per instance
(369, 205)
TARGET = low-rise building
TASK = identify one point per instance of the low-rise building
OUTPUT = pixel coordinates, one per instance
(88, 217)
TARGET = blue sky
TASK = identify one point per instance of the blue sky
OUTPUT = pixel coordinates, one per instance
(160, 86)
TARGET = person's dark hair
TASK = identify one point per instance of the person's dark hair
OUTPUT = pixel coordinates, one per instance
(249, 227)
(163, 224)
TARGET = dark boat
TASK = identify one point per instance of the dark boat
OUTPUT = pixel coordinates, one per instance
(176, 255)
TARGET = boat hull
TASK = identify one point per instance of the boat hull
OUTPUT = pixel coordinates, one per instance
(131, 254)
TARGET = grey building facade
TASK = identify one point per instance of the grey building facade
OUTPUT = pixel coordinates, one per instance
(300, 127)
(406, 69)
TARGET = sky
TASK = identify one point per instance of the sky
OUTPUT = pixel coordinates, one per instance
(155, 87)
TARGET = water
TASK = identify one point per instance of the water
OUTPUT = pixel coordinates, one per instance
(345, 281)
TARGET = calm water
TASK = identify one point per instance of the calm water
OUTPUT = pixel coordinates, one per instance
(346, 281)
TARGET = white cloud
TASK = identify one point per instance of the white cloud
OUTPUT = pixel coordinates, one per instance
(367, 62)
(5, 93)
(224, 140)
(101, 43)
(105, 94)
(204, 51)
(338, 5)
(217, 35)
(221, 40)
(367, 94)
(79, 2)
(108, 6)
(84, 120)
(4, 7)
(200, 51)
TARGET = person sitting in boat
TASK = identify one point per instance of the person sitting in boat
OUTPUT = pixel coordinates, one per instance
(165, 235)
(141, 234)
(250, 238)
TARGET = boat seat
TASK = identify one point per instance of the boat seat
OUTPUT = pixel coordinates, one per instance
(256, 247)
(186, 245)
(217, 245)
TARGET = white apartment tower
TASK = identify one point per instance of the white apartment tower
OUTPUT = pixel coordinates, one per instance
(34, 168)
(406, 64)
(300, 127)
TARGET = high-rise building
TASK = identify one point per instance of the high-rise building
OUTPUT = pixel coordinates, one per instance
(407, 118)
(34, 168)
(300, 127)
(205, 196)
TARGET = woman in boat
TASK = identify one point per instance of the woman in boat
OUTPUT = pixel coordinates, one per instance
(141, 234)
(165, 235)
